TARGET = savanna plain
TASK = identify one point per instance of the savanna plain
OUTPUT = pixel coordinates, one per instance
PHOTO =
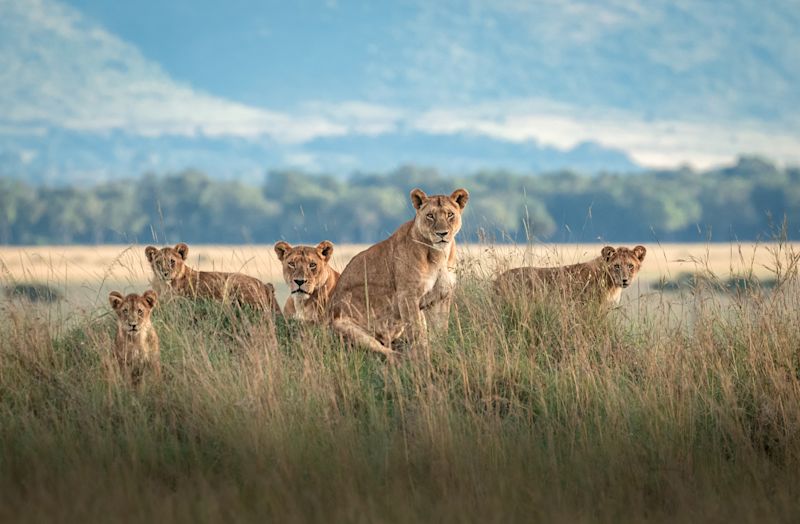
(682, 403)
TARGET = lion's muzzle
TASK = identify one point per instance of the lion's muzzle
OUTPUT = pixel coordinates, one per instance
(298, 286)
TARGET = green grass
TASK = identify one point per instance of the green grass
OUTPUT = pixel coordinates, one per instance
(536, 409)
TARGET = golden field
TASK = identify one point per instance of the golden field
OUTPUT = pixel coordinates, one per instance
(86, 271)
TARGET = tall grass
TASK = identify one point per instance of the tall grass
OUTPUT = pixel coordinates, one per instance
(533, 408)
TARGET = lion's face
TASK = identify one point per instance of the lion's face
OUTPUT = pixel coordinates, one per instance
(305, 268)
(133, 311)
(623, 264)
(167, 263)
(438, 217)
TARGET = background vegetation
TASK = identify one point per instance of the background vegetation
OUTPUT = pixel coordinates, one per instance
(741, 202)
(524, 410)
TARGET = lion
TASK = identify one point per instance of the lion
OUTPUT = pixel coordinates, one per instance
(136, 343)
(171, 272)
(601, 279)
(384, 290)
(310, 278)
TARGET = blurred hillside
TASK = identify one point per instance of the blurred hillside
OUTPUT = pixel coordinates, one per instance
(68, 158)
(745, 201)
(92, 90)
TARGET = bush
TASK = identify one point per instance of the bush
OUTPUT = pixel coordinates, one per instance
(33, 292)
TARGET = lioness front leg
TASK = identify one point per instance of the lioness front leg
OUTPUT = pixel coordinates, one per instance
(437, 314)
(436, 303)
(414, 324)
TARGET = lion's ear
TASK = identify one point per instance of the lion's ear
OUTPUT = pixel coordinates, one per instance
(325, 249)
(282, 249)
(151, 298)
(418, 198)
(640, 252)
(460, 197)
(150, 252)
(115, 298)
(182, 249)
(608, 252)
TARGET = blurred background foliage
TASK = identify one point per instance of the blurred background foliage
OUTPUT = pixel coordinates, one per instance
(745, 201)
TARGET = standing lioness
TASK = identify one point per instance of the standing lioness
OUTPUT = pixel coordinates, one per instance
(601, 279)
(310, 278)
(381, 292)
(170, 270)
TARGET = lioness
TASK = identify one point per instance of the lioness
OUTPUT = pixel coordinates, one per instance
(136, 343)
(602, 279)
(170, 270)
(310, 278)
(382, 291)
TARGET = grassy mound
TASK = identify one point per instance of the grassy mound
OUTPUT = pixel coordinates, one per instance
(528, 409)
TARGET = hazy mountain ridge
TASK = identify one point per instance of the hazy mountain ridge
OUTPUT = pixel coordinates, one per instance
(92, 89)
(64, 158)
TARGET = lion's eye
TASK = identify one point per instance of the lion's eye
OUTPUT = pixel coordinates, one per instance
(630, 266)
(290, 265)
(172, 263)
(451, 215)
(312, 266)
(140, 312)
(430, 216)
(616, 266)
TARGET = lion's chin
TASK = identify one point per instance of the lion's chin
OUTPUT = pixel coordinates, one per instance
(441, 245)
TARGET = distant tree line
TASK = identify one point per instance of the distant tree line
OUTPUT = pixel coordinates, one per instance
(746, 201)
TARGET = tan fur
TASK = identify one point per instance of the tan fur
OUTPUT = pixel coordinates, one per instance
(602, 279)
(310, 278)
(382, 291)
(436, 304)
(172, 273)
(136, 343)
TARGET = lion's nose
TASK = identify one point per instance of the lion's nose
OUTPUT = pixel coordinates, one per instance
(299, 281)
(442, 234)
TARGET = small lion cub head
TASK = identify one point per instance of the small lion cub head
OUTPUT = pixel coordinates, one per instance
(133, 311)
(305, 268)
(168, 262)
(438, 217)
(623, 263)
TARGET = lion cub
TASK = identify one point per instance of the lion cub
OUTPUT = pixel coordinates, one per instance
(310, 278)
(602, 279)
(170, 270)
(382, 292)
(136, 343)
